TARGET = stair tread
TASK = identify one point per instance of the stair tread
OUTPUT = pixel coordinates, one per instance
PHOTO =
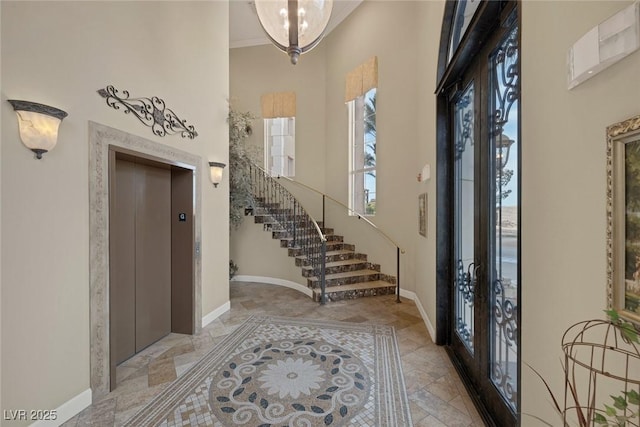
(356, 286)
(363, 272)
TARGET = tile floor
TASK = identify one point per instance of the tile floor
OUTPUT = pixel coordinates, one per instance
(436, 394)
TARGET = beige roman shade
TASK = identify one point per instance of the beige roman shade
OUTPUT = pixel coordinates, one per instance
(278, 104)
(361, 79)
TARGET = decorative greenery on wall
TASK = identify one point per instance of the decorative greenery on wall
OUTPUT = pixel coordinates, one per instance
(240, 194)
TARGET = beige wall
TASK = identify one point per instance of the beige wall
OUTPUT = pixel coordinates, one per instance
(60, 53)
(563, 183)
(430, 17)
(257, 254)
(257, 70)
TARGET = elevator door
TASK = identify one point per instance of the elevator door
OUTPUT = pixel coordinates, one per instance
(140, 257)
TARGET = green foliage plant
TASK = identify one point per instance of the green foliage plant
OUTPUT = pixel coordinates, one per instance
(240, 186)
(233, 269)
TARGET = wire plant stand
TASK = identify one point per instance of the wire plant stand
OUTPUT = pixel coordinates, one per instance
(602, 374)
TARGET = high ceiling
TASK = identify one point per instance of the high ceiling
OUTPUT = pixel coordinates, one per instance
(245, 29)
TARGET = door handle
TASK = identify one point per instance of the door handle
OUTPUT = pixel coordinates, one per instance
(473, 274)
(467, 280)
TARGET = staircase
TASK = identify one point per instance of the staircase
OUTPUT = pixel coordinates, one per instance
(347, 273)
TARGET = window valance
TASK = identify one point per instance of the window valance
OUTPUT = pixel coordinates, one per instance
(278, 104)
(361, 79)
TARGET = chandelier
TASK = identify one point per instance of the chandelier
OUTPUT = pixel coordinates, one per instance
(294, 26)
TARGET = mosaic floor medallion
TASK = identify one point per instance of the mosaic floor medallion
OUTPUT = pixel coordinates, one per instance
(290, 382)
(290, 372)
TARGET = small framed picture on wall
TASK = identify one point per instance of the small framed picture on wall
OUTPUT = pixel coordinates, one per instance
(422, 214)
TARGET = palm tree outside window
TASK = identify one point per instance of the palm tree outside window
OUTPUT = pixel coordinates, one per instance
(362, 158)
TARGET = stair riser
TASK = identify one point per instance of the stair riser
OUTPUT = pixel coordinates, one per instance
(337, 295)
(308, 272)
(303, 238)
(388, 278)
(334, 258)
(284, 216)
(261, 218)
(315, 283)
(331, 246)
(274, 226)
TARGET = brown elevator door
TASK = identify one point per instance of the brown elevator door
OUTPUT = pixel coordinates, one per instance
(122, 248)
(140, 289)
(153, 254)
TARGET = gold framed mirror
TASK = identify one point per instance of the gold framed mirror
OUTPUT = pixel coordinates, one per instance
(623, 218)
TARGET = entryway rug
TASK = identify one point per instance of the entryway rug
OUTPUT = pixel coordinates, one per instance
(277, 371)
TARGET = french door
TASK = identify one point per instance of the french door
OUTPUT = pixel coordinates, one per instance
(484, 261)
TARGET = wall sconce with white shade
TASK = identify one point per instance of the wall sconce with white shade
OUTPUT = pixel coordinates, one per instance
(215, 169)
(38, 125)
(294, 26)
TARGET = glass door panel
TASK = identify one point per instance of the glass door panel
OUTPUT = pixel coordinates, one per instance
(464, 223)
(503, 82)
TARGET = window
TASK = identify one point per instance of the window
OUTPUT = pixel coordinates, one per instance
(463, 15)
(279, 146)
(279, 112)
(362, 153)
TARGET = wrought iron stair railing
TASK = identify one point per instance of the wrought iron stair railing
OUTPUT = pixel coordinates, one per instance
(304, 231)
(350, 211)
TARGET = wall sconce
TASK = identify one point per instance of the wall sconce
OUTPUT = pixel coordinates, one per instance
(38, 125)
(215, 169)
(604, 45)
(294, 26)
(425, 174)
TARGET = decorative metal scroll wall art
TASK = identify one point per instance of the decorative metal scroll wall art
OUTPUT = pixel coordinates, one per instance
(150, 111)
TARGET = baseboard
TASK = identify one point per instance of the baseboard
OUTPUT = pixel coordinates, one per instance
(67, 410)
(216, 313)
(407, 294)
(413, 297)
(275, 281)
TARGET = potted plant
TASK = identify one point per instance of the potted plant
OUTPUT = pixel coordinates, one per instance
(600, 356)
